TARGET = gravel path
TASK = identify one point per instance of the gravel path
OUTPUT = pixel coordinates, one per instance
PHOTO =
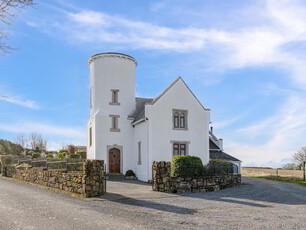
(258, 204)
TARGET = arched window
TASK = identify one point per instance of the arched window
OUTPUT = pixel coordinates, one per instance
(182, 120)
(176, 120)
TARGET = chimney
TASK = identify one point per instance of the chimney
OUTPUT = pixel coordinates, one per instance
(211, 129)
(221, 144)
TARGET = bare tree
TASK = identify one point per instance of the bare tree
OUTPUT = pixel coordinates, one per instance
(300, 156)
(8, 10)
(37, 141)
(290, 166)
(22, 140)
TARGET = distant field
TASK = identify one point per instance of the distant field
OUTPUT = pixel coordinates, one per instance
(282, 179)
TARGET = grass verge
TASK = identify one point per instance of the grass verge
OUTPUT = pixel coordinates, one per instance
(283, 179)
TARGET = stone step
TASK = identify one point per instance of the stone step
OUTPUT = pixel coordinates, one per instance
(115, 176)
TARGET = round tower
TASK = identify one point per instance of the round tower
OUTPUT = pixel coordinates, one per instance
(112, 83)
(112, 88)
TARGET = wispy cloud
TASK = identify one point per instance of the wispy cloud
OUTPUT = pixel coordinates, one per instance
(226, 123)
(20, 101)
(282, 134)
(261, 44)
(277, 25)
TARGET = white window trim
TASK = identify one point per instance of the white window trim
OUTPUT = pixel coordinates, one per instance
(179, 122)
(116, 128)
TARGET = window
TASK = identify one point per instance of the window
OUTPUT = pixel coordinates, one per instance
(114, 123)
(180, 119)
(115, 96)
(180, 148)
(90, 136)
(139, 153)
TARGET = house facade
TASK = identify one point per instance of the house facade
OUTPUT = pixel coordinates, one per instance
(130, 132)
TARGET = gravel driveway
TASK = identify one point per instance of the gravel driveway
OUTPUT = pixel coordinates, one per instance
(258, 204)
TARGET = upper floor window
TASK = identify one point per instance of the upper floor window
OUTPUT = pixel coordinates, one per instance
(180, 119)
(114, 123)
(115, 97)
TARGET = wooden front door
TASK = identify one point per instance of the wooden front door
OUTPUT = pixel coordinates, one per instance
(114, 160)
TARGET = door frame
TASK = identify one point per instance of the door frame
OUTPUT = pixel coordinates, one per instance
(109, 147)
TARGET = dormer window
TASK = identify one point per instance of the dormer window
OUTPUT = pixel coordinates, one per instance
(180, 119)
(115, 96)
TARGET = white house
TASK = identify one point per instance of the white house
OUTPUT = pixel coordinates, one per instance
(129, 132)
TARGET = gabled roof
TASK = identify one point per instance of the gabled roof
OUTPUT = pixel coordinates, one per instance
(213, 146)
(219, 155)
(170, 86)
(215, 153)
(139, 112)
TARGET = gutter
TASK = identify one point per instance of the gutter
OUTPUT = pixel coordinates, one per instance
(139, 121)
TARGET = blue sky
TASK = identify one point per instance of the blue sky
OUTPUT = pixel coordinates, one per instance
(245, 60)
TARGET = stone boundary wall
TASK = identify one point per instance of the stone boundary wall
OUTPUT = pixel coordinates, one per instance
(250, 171)
(89, 182)
(162, 181)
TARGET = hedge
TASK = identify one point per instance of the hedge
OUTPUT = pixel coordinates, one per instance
(186, 166)
(218, 167)
(63, 151)
(74, 156)
(61, 155)
(36, 155)
(82, 154)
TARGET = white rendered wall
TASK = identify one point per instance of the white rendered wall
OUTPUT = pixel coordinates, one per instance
(161, 131)
(112, 71)
(141, 135)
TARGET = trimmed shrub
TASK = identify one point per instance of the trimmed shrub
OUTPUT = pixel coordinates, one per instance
(186, 166)
(35, 155)
(50, 155)
(130, 173)
(64, 151)
(83, 154)
(74, 156)
(61, 155)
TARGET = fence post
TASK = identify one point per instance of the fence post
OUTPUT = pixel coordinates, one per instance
(303, 170)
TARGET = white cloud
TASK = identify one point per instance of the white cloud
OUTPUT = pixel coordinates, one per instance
(280, 23)
(257, 45)
(226, 123)
(19, 101)
(282, 133)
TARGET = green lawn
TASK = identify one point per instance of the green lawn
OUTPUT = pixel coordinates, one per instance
(283, 179)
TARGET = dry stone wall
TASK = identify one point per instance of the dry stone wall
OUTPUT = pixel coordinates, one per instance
(88, 179)
(163, 182)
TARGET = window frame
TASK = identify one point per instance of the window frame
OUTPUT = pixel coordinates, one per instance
(114, 97)
(90, 136)
(139, 153)
(114, 123)
(181, 116)
(177, 146)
